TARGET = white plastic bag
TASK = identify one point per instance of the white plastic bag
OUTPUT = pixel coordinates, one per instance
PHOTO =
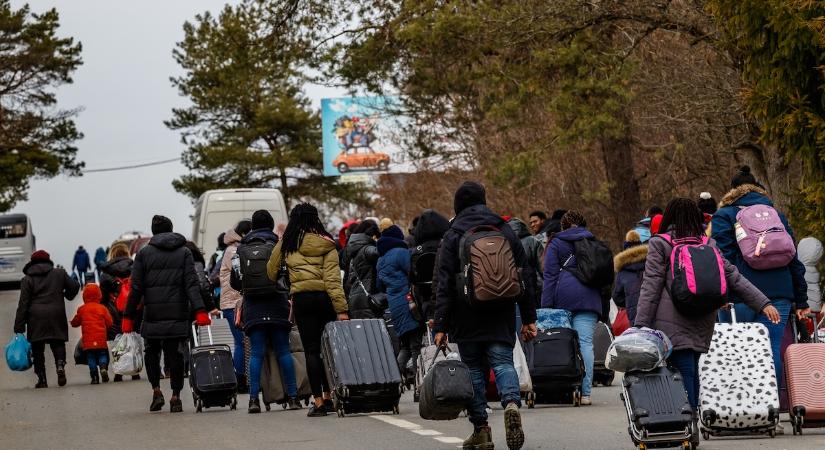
(638, 349)
(127, 354)
(520, 362)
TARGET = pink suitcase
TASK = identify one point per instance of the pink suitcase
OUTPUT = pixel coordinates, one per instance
(805, 374)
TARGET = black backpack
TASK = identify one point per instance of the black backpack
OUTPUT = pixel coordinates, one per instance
(422, 263)
(594, 262)
(253, 258)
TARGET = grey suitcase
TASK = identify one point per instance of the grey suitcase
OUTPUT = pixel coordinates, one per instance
(602, 338)
(272, 385)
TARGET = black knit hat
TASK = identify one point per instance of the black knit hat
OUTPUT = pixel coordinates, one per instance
(469, 194)
(262, 219)
(744, 176)
(161, 224)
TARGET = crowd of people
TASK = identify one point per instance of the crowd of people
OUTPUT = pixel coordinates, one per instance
(373, 270)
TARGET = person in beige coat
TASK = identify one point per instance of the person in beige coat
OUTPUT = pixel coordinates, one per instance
(230, 298)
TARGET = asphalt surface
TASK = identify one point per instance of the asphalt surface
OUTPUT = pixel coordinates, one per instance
(116, 416)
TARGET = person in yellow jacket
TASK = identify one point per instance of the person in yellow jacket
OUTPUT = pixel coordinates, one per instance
(309, 253)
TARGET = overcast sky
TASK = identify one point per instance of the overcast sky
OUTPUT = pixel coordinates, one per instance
(123, 87)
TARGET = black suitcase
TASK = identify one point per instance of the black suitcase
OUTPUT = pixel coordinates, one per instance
(361, 367)
(212, 375)
(556, 367)
(658, 410)
(447, 390)
(602, 338)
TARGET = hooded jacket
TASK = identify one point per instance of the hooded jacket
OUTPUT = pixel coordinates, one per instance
(656, 309)
(427, 234)
(562, 290)
(313, 268)
(629, 266)
(164, 281)
(100, 257)
(810, 253)
(110, 274)
(361, 256)
(229, 297)
(81, 260)
(495, 322)
(264, 309)
(393, 276)
(532, 247)
(787, 283)
(41, 311)
(94, 320)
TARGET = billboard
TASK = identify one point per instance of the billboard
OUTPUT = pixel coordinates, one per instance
(361, 138)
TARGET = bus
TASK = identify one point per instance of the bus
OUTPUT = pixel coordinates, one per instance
(16, 245)
(218, 210)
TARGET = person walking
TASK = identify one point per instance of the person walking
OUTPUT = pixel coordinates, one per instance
(115, 285)
(360, 259)
(532, 248)
(309, 254)
(485, 334)
(81, 264)
(41, 313)
(94, 320)
(690, 336)
(810, 254)
(428, 232)
(214, 269)
(629, 266)
(230, 298)
(100, 259)
(165, 283)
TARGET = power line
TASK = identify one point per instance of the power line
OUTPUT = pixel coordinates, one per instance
(133, 166)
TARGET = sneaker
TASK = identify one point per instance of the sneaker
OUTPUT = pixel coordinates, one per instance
(585, 401)
(512, 427)
(481, 439)
(104, 375)
(118, 378)
(157, 402)
(294, 404)
(254, 406)
(329, 406)
(95, 379)
(175, 405)
(315, 411)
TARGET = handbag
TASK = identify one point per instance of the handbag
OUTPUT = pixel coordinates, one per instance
(79, 354)
(621, 323)
(282, 282)
(378, 302)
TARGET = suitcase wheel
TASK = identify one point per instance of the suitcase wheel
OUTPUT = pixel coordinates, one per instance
(705, 435)
(641, 446)
(340, 412)
(395, 410)
(199, 406)
(267, 406)
(577, 398)
(531, 400)
(234, 405)
(772, 433)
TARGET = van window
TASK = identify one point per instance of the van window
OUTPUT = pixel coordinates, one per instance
(12, 227)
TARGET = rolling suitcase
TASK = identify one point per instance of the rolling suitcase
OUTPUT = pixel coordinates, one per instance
(805, 374)
(212, 375)
(272, 384)
(429, 353)
(361, 367)
(602, 338)
(658, 410)
(738, 391)
(556, 368)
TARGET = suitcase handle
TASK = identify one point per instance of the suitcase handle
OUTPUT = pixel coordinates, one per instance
(195, 334)
(732, 313)
(815, 336)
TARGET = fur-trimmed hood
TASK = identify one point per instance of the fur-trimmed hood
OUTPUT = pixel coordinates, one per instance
(636, 254)
(735, 194)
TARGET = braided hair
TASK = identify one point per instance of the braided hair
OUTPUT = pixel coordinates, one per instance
(572, 219)
(303, 219)
(682, 219)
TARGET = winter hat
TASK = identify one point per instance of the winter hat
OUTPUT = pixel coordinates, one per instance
(744, 176)
(706, 203)
(469, 194)
(391, 238)
(632, 239)
(161, 224)
(262, 219)
(385, 223)
(655, 223)
(41, 255)
(91, 293)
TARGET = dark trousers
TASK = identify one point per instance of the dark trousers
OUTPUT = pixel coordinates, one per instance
(313, 310)
(39, 353)
(410, 350)
(172, 356)
(687, 362)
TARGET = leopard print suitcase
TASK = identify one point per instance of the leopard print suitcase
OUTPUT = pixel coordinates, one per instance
(738, 389)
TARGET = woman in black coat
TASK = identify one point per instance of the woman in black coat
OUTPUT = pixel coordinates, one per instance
(41, 313)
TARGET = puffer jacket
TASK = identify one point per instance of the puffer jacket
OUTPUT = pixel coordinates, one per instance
(41, 311)
(427, 235)
(532, 247)
(229, 297)
(313, 268)
(361, 256)
(562, 290)
(809, 252)
(656, 309)
(110, 273)
(94, 321)
(393, 276)
(629, 266)
(164, 281)
(264, 309)
(785, 283)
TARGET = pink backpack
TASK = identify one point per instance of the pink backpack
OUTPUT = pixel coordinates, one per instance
(762, 238)
(698, 284)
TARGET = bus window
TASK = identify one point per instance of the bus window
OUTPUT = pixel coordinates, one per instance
(12, 227)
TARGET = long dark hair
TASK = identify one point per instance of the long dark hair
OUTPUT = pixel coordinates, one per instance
(303, 219)
(197, 256)
(682, 219)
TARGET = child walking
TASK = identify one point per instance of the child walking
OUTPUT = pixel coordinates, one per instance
(94, 319)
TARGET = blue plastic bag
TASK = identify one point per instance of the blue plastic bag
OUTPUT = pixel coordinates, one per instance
(19, 353)
(553, 318)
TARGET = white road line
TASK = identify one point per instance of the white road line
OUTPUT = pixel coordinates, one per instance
(424, 432)
(418, 429)
(449, 440)
(400, 423)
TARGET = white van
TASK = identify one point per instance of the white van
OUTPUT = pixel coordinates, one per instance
(221, 209)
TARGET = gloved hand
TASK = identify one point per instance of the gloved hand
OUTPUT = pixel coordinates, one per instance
(126, 325)
(202, 319)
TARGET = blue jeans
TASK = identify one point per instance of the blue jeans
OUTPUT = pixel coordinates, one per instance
(237, 335)
(687, 362)
(584, 322)
(500, 359)
(775, 331)
(97, 357)
(278, 338)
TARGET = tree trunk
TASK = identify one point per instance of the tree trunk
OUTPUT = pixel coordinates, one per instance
(284, 186)
(625, 200)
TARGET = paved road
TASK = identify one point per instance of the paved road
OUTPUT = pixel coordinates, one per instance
(116, 416)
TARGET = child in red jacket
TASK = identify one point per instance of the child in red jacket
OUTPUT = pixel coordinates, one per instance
(94, 319)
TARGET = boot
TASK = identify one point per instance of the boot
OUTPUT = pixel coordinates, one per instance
(41, 380)
(243, 386)
(175, 404)
(61, 372)
(293, 404)
(254, 406)
(95, 376)
(512, 427)
(481, 439)
(157, 401)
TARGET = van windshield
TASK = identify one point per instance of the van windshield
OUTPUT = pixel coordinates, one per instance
(12, 227)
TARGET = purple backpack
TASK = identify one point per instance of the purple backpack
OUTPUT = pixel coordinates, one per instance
(698, 284)
(762, 238)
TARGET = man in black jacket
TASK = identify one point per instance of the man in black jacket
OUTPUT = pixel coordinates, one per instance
(485, 332)
(165, 291)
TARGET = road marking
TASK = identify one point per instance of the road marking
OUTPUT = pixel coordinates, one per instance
(418, 429)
